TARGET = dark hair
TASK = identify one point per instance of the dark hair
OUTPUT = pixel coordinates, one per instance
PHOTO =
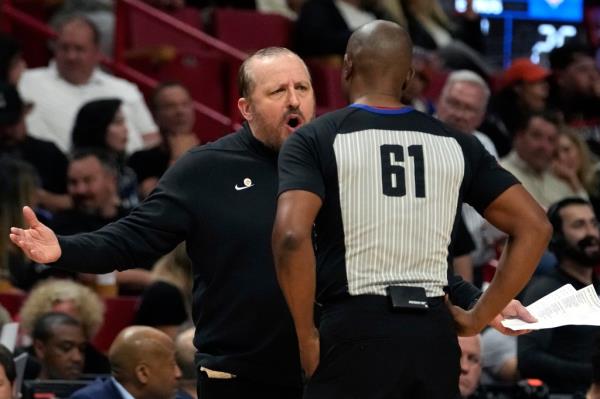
(561, 57)
(43, 327)
(9, 50)
(6, 360)
(553, 213)
(106, 159)
(245, 78)
(80, 18)
(162, 86)
(523, 121)
(92, 122)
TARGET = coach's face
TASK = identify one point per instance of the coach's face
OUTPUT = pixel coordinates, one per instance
(281, 98)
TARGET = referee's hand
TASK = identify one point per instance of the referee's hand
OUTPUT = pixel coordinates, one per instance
(465, 321)
(309, 346)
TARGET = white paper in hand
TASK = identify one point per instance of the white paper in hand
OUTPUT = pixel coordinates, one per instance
(562, 307)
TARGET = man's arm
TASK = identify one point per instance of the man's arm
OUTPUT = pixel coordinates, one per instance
(295, 266)
(517, 214)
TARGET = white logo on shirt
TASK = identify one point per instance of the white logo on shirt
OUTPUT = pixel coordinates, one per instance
(247, 184)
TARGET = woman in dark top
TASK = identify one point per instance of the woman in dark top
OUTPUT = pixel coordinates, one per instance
(101, 124)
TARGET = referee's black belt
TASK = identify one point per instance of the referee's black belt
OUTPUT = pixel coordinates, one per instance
(375, 300)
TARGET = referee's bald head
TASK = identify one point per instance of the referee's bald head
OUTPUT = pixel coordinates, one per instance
(378, 57)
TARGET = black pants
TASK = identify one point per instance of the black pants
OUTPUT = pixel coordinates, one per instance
(238, 388)
(371, 352)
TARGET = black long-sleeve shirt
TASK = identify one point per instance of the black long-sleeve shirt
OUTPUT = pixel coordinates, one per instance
(220, 198)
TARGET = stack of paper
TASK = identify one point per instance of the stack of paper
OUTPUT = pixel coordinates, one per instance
(562, 307)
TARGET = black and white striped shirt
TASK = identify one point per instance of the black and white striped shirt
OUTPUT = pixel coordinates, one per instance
(392, 182)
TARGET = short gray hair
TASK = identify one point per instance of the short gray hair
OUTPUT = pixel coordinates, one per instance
(465, 75)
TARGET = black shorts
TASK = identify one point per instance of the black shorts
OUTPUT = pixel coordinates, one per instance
(369, 351)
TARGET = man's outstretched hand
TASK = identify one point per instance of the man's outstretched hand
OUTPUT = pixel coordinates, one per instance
(38, 242)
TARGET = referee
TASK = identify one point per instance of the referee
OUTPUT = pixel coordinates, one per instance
(383, 185)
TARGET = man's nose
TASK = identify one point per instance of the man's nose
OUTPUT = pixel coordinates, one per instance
(293, 99)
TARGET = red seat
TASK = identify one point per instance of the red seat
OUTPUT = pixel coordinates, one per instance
(120, 312)
(12, 303)
(250, 30)
(147, 31)
(328, 86)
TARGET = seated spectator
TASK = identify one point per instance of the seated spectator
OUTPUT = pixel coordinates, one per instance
(184, 355)
(92, 186)
(174, 114)
(573, 164)
(73, 79)
(8, 373)
(499, 358)
(165, 304)
(324, 26)
(458, 40)
(12, 64)
(534, 146)
(142, 363)
(562, 356)
(575, 90)
(524, 89)
(49, 162)
(59, 346)
(75, 300)
(100, 124)
(470, 366)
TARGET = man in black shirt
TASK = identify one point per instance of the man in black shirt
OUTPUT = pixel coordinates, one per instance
(220, 199)
(562, 357)
(383, 184)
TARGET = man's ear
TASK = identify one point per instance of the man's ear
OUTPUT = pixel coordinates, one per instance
(142, 373)
(245, 108)
(347, 68)
(409, 76)
(39, 348)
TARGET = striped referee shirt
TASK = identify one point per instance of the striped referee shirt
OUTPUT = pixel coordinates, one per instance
(392, 182)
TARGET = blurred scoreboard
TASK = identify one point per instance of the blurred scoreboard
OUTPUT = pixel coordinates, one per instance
(530, 28)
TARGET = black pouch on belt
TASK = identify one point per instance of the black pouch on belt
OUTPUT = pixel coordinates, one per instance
(407, 298)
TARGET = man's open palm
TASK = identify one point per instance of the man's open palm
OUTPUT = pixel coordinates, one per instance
(38, 241)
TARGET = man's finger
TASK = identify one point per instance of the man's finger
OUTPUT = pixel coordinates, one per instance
(523, 314)
(30, 217)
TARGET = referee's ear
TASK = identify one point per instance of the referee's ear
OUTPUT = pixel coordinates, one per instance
(245, 108)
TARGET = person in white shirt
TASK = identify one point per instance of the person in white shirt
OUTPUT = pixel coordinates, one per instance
(72, 79)
(462, 105)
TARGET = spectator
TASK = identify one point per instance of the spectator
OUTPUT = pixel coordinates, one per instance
(8, 373)
(92, 186)
(184, 355)
(74, 78)
(470, 365)
(499, 358)
(458, 40)
(12, 64)
(534, 146)
(100, 124)
(165, 304)
(324, 26)
(562, 356)
(524, 90)
(175, 116)
(59, 346)
(18, 181)
(573, 164)
(575, 90)
(75, 300)
(142, 363)
(49, 162)
(462, 106)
